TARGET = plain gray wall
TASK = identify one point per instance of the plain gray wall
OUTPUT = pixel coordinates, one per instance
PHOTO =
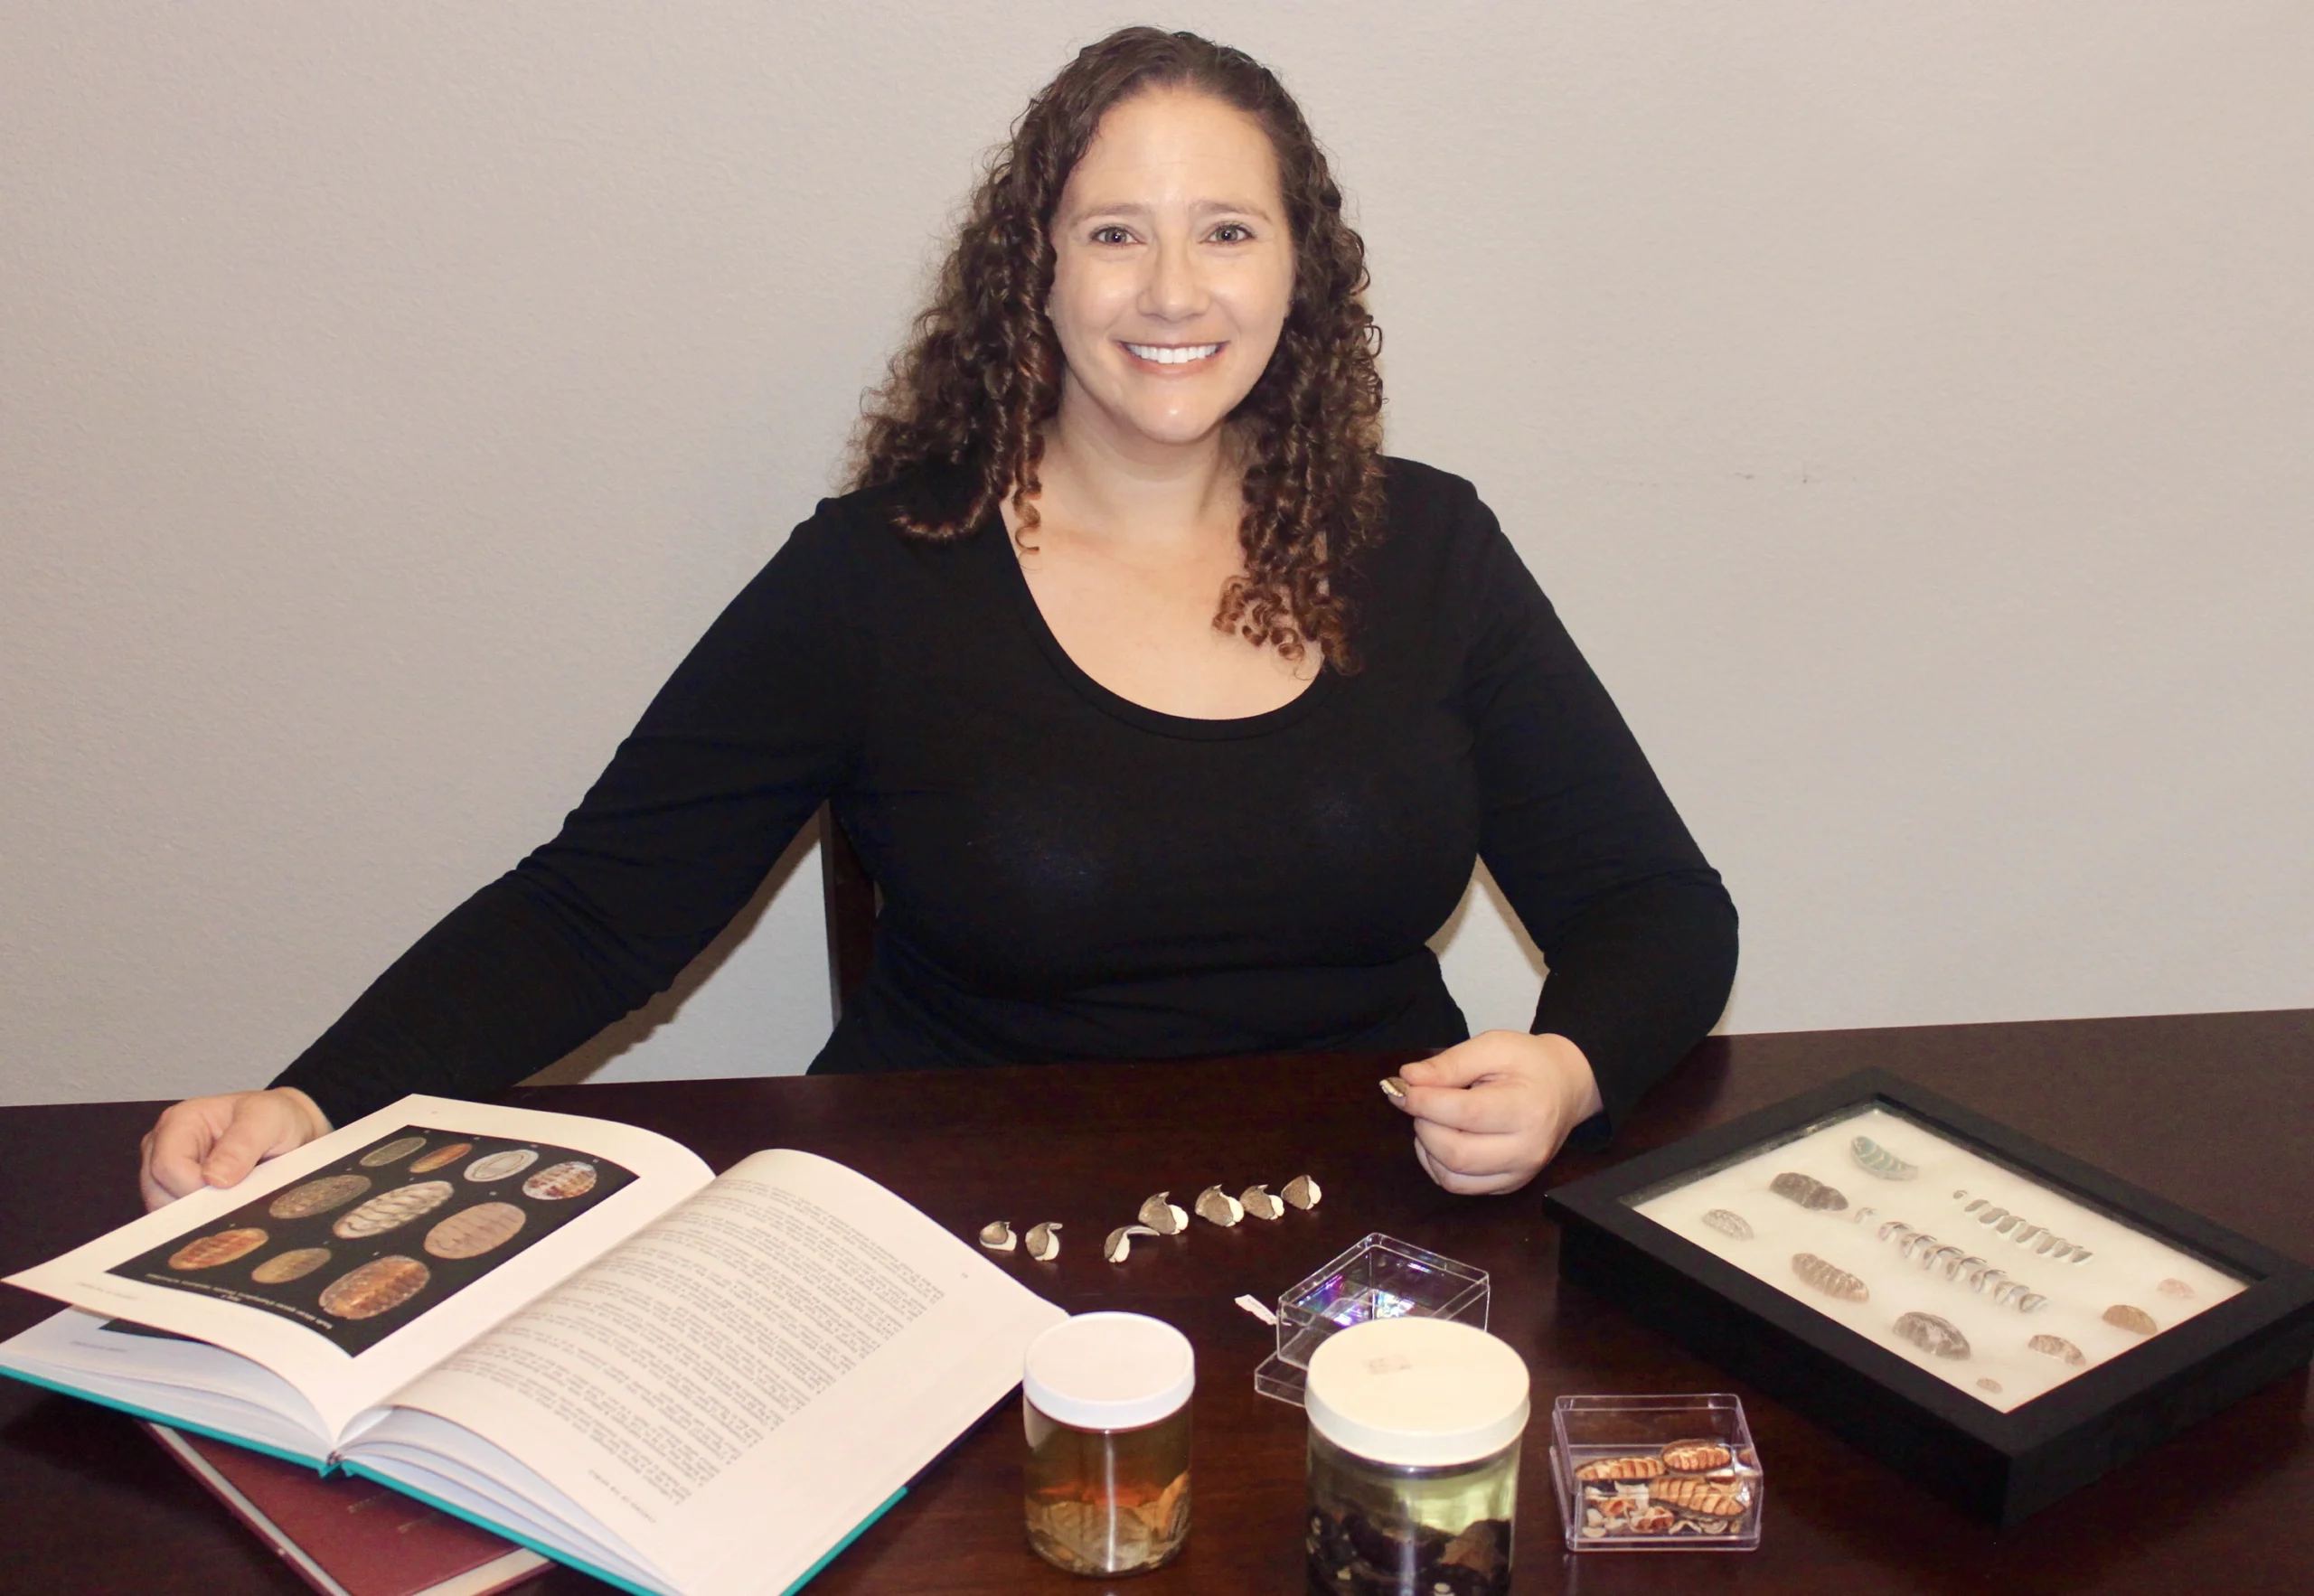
(1909, 407)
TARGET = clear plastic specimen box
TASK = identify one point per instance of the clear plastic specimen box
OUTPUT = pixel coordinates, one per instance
(1381, 1277)
(1656, 1473)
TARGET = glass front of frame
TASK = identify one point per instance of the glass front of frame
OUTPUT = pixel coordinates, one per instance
(1998, 1284)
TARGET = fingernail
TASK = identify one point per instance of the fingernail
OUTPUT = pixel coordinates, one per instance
(1394, 1088)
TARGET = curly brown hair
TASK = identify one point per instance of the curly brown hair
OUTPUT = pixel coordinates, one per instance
(981, 371)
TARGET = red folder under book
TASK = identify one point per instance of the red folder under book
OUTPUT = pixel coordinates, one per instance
(348, 1536)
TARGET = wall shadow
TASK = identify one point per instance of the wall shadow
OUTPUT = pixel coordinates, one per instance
(1483, 885)
(620, 1035)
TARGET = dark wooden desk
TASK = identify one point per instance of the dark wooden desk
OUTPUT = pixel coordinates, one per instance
(2212, 1111)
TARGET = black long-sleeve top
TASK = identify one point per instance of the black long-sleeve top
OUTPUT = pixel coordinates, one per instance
(1067, 875)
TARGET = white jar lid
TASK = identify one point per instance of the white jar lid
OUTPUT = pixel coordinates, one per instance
(1110, 1371)
(1420, 1392)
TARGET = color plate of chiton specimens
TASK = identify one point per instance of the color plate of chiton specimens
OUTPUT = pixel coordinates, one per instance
(440, 1157)
(500, 1166)
(212, 1252)
(318, 1197)
(393, 1152)
(376, 1287)
(558, 1182)
(471, 1232)
(390, 1210)
(296, 1263)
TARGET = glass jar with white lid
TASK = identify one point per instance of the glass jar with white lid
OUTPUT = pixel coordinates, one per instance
(1105, 1489)
(1416, 1426)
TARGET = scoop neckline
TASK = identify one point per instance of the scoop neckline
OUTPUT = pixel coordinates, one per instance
(1319, 689)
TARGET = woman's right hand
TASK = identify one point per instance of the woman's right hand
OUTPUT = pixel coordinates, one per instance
(218, 1141)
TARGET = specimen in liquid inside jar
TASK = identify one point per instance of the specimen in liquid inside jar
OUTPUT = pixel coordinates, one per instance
(1104, 1502)
(1350, 1552)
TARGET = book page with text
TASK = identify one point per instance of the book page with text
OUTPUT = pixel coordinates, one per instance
(355, 1263)
(738, 1386)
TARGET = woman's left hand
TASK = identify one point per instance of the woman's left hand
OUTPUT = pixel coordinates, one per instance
(1490, 1112)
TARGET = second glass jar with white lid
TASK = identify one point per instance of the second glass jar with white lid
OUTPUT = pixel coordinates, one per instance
(1415, 1431)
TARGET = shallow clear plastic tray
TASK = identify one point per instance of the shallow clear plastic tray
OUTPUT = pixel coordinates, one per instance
(1641, 1514)
(1381, 1277)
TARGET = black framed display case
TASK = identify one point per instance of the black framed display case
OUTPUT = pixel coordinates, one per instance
(1996, 1321)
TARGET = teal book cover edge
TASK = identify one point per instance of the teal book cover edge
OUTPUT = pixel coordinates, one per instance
(326, 1466)
(318, 1465)
(479, 1521)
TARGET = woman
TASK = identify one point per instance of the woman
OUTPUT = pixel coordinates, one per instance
(1168, 714)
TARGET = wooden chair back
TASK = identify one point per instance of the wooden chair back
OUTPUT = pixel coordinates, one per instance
(849, 898)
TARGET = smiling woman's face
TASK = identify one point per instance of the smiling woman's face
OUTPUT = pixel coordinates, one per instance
(1173, 270)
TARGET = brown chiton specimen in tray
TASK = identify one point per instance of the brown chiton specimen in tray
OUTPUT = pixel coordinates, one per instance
(2136, 1320)
(1616, 1510)
(1938, 1337)
(1728, 1222)
(2058, 1348)
(1828, 1278)
(378, 1286)
(1707, 1497)
(1621, 1468)
(2175, 1288)
(210, 1251)
(317, 1196)
(1696, 1457)
(1807, 1191)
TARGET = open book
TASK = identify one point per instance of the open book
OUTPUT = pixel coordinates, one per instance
(566, 1330)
